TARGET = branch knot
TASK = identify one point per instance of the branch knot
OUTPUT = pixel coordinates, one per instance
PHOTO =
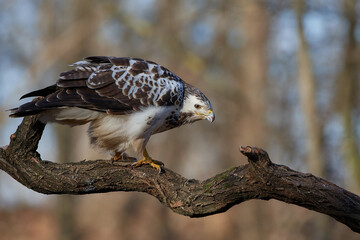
(256, 156)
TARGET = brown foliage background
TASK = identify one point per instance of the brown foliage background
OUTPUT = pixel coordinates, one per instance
(281, 75)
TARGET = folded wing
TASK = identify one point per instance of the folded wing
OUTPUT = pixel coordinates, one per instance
(108, 84)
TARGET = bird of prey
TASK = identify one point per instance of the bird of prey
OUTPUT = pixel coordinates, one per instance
(126, 100)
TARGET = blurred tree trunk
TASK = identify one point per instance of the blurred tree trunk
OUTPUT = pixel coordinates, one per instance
(322, 226)
(306, 81)
(348, 87)
(65, 203)
(253, 70)
(252, 87)
(54, 48)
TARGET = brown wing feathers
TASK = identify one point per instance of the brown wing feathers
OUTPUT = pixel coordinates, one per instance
(106, 84)
(71, 90)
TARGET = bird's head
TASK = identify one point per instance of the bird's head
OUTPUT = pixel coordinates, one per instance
(196, 106)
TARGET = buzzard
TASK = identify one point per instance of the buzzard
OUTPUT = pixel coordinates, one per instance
(126, 100)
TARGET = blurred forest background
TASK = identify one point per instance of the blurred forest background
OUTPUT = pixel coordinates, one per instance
(281, 75)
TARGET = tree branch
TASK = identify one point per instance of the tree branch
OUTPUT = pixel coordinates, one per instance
(259, 179)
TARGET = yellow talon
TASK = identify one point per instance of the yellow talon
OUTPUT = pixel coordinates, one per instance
(116, 157)
(148, 160)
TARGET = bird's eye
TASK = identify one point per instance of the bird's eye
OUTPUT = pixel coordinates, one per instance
(197, 106)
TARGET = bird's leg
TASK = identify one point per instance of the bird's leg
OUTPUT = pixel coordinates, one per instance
(118, 156)
(148, 160)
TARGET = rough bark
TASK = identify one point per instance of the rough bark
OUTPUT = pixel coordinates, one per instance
(259, 179)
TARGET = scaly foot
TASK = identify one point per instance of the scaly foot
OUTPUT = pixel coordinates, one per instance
(148, 160)
(118, 156)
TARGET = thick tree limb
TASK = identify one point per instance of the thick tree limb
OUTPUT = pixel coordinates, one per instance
(259, 179)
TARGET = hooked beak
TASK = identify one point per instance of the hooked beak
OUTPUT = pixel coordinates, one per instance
(210, 116)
